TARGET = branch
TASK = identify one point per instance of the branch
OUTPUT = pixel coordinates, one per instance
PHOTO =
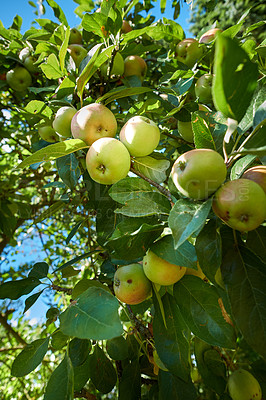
(83, 393)
(8, 328)
(138, 325)
(61, 289)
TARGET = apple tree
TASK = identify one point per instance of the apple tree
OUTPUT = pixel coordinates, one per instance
(136, 157)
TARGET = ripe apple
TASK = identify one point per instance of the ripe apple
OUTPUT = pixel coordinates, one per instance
(75, 36)
(135, 65)
(196, 272)
(47, 133)
(131, 285)
(242, 385)
(185, 130)
(241, 204)
(209, 36)
(18, 78)
(188, 51)
(140, 135)
(257, 174)
(77, 52)
(93, 122)
(198, 173)
(161, 271)
(203, 88)
(126, 27)
(108, 161)
(117, 67)
(62, 121)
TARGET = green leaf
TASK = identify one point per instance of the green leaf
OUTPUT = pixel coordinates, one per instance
(59, 340)
(117, 348)
(68, 170)
(103, 374)
(50, 211)
(171, 387)
(30, 357)
(256, 242)
(235, 78)
(31, 300)
(95, 23)
(15, 289)
(152, 168)
(127, 189)
(240, 166)
(130, 382)
(119, 93)
(51, 68)
(74, 231)
(38, 108)
(61, 382)
(58, 13)
(145, 205)
(94, 315)
(63, 49)
(74, 261)
(81, 374)
(187, 218)
(78, 351)
(39, 270)
(199, 304)
(202, 136)
(53, 151)
(162, 5)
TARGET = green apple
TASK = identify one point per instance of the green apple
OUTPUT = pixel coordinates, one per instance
(131, 286)
(29, 63)
(62, 120)
(198, 173)
(117, 67)
(196, 272)
(209, 36)
(188, 51)
(75, 36)
(257, 174)
(203, 88)
(18, 78)
(161, 271)
(140, 135)
(108, 161)
(185, 130)
(126, 27)
(242, 385)
(241, 204)
(93, 122)
(77, 52)
(47, 133)
(135, 65)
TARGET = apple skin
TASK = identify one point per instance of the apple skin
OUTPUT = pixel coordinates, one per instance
(257, 174)
(62, 120)
(108, 161)
(185, 130)
(140, 135)
(29, 64)
(126, 27)
(196, 272)
(135, 65)
(198, 173)
(242, 385)
(131, 286)
(241, 204)
(161, 271)
(75, 36)
(209, 36)
(203, 88)
(117, 67)
(47, 133)
(77, 52)
(188, 51)
(93, 122)
(19, 78)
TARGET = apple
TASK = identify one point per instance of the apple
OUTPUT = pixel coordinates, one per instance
(257, 174)
(93, 122)
(185, 130)
(131, 286)
(196, 272)
(117, 67)
(126, 27)
(108, 161)
(209, 36)
(140, 135)
(135, 65)
(47, 133)
(198, 173)
(241, 204)
(18, 78)
(161, 271)
(29, 63)
(75, 36)
(77, 52)
(188, 51)
(62, 120)
(242, 385)
(203, 88)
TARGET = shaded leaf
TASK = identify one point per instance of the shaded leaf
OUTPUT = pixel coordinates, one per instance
(171, 387)
(15, 289)
(102, 372)
(68, 170)
(61, 382)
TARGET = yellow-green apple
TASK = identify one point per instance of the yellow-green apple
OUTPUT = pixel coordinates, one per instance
(196, 272)
(140, 135)
(242, 385)
(47, 133)
(75, 36)
(29, 63)
(161, 271)
(62, 120)
(108, 161)
(131, 286)
(188, 51)
(117, 67)
(241, 204)
(77, 52)
(126, 27)
(203, 88)
(135, 65)
(185, 130)
(257, 174)
(198, 173)
(18, 78)
(209, 36)
(93, 122)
